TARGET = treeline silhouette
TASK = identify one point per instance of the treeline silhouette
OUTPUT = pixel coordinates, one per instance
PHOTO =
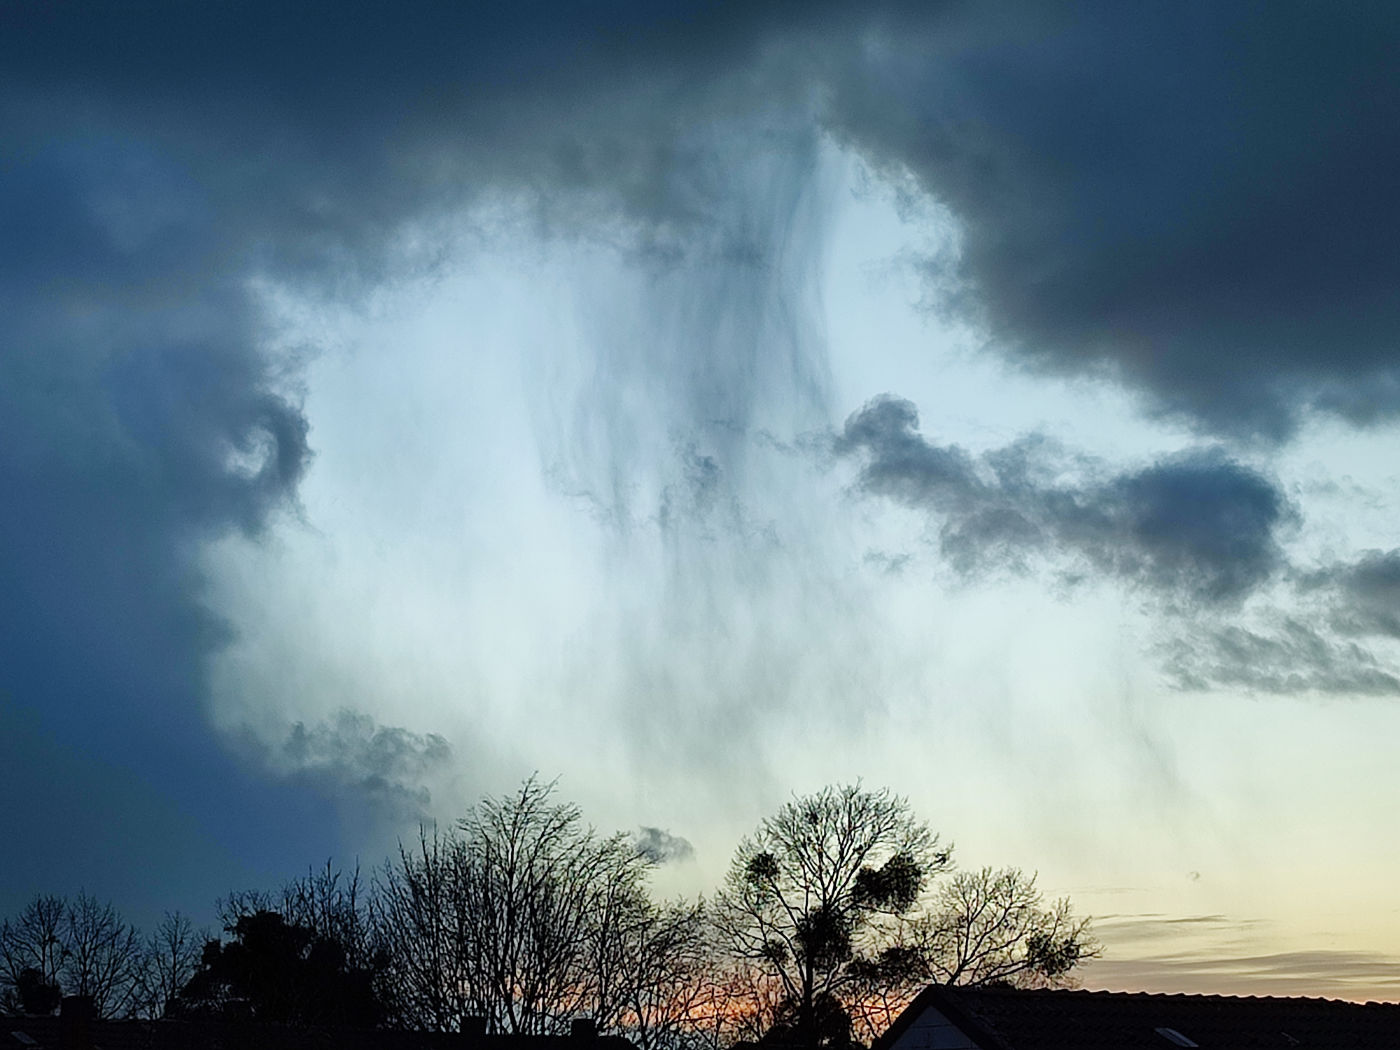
(521, 919)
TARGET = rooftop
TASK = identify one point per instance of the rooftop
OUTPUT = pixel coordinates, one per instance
(1018, 1019)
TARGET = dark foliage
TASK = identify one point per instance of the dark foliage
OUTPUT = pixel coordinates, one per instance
(811, 898)
(278, 972)
(895, 885)
(829, 1027)
(36, 995)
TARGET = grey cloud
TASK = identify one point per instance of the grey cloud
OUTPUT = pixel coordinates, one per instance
(1321, 963)
(1197, 526)
(1156, 927)
(661, 847)
(1206, 920)
(1325, 645)
(1198, 530)
(382, 767)
(1364, 595)
(889, 564)
(694, 495)
(1287, 658)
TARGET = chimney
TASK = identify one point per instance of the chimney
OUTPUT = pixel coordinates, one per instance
(76, 1014)
(583, 1028)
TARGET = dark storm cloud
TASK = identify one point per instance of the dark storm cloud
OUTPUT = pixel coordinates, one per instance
(137, 421)
(162, 162)
(1195, 201)
(1193, 198)
(661, 847)
(1197, 526)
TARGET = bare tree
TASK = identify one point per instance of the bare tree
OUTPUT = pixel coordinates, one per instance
(741, 1002)
(172, 957)
(816, 889)
(662, 963)
(335, 908)
(990, 926)
(418, 912)
(544, 897)
(526, 917)
(104, 956)
(78, 947)
(245, 902)
(33, 950)
(994, 926)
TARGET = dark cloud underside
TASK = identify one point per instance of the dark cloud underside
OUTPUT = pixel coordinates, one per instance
(1191, 198)
(1197, 527)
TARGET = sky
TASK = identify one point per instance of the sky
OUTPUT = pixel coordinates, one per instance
(703, 403)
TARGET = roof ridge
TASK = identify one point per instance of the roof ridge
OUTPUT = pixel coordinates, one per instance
(1158, 996)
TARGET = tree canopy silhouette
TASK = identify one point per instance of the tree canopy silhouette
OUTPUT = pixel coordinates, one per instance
(815, 890)
(281, 973)
(990, 926)
(525, 916)
(60, 946)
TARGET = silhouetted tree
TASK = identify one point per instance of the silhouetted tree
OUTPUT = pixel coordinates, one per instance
(816, 889)
(732, 1002)
(334, 910)
(981, 927)
(418, 910)
(171, 960)
(326, 901)
(333, 906)
(542, 892)
(104, 956)
(660, 958)
(79, 947)
(994, 927)
(829, 1027)
(282, 973)
(32, 954)
(34, 995)
(525, 916)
